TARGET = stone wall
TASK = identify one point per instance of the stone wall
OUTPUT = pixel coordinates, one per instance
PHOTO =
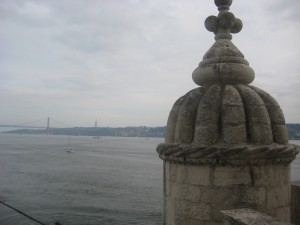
(195, 194)
(295, 203)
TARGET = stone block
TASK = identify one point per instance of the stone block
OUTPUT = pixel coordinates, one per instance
(235, 134)
(170, 170)
(231, 175)
(250, 97)
(181, 173)
(258, 115)
(180, 221)
(280, 134)
(184, 134)
(207, 115)
(168, 187)
(213, 223)
(225, 196)
(261, 133)
(254, 196)
(283, 214)
(231, 97)
(275, 114)
(271, 174)
(198, 175)
(207, 134)
(170, 211)
(234, 115)
(187, 192)
(278, 196)
(192, 210)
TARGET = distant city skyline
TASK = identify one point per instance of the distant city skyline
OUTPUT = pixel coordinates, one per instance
(124, 63)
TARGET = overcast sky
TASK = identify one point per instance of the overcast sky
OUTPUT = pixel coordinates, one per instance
(125, 62)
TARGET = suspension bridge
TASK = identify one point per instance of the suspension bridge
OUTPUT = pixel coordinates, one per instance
(43, 123)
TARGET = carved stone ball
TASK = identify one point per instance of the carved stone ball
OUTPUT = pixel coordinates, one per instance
(211, 23)
(237, 26)
(223, 4)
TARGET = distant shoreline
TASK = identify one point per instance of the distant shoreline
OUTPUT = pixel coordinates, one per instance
(140, 131)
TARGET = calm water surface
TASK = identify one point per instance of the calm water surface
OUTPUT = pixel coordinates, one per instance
(111, 180)
(107, 181)
(295, 171)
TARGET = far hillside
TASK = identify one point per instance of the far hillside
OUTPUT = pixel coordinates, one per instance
(141, 131)
(294, 131)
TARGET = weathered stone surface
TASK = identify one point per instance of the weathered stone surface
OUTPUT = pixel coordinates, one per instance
(181, 173)
(226, 113)
(250, 217)
(235, 134)
(295, 203)
(254, 196)
(172, 121)
(278, 196)
(170, 169)
(192, 210)
(227, 175)
(282, 213)
(186, 117)
(198, 175)
(221, 196)
(272, 175)
(213, 223)
(187, 221)
(187, 192)
(169, 186)
(233, 154)
(233, 115)
(169, 212)
(206, 134)
(280, 133)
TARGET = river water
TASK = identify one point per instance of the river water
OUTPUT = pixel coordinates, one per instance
(105, 181)
(111, 180)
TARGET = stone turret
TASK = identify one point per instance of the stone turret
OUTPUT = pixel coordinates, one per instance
(226, 142)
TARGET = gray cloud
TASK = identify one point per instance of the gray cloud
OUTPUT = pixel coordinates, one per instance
(127, 61)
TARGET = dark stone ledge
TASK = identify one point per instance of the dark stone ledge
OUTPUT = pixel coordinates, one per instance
(228, 154)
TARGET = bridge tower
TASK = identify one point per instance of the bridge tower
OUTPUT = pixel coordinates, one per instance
(48, 125)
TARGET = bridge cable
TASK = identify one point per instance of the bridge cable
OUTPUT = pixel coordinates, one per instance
(67, 125)
(35, 121)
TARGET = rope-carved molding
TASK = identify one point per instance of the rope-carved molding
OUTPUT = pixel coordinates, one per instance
(228, 154)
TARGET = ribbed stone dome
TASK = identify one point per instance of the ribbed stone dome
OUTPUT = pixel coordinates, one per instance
(226, 119)
(226, 114)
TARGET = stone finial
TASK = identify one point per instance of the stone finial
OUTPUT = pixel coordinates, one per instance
(225, 23)
(223, 62)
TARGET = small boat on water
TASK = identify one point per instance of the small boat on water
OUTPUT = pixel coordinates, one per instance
(96, 137)
(69, 150)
